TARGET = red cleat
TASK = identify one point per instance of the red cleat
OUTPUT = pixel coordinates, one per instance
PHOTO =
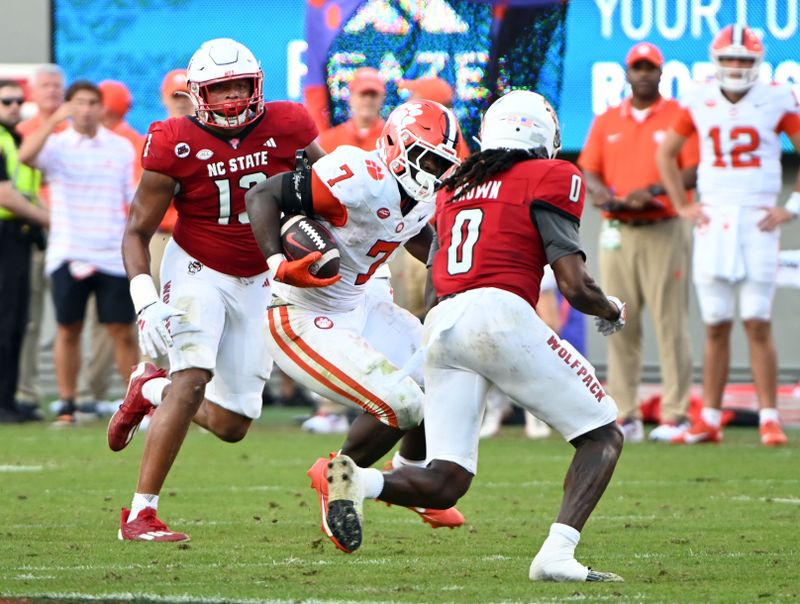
(772, 434)
(698, 432)
(146, 527)
(126, 419)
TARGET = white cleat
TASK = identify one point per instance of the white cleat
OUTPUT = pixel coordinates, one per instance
(558, 569)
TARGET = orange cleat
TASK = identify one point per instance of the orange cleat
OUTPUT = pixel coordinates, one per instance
(698, 432)
(319, 482)
(449, 518)
(772, 434)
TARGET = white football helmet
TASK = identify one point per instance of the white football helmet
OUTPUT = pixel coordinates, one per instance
(521, 119)
(737, 42)
(222, 60)
(412, 131)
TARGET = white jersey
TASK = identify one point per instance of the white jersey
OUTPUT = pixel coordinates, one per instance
(740, 148)
(358, 200)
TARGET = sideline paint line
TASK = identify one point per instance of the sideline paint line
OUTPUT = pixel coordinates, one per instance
(146, 597)
(13, 469)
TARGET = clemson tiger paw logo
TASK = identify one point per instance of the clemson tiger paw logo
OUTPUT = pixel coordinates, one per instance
(323, 323)
(374, 170)
(406, 114)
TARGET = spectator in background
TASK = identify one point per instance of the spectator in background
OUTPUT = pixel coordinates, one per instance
(438, 90)
(47, 92)
(90, 170)
(21, 219)
(367, 94)
(736, 239)
(175, 94)
(644, 246)
(97, 365)
(117, 101)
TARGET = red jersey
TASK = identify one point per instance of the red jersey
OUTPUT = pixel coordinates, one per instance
(215, 171)
(487, 237)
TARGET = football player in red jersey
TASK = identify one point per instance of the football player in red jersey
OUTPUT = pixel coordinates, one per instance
(505, 213)
(215, 283)
(350, 342)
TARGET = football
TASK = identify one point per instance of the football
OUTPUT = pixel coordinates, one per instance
(301, 236)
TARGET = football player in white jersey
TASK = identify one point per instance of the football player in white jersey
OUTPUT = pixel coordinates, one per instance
(739, 121)
(339, 341)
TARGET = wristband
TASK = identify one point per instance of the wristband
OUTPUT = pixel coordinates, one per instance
(793, 204)
(143, 291)
(274, 261)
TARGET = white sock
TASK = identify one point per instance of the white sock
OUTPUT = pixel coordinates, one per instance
(372, 481)
(154, 389)
(767, 415)
(140, 502)
(556, 559)
(398, 461)
(711, 416)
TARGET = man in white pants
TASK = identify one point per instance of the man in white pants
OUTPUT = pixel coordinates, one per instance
(736, 238)
(342, 342)
(215, 284)
(505, 213)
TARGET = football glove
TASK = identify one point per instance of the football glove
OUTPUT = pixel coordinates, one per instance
(154, 336)
(296, 272)
(606, 327)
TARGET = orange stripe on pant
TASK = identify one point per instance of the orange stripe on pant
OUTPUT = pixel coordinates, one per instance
(370, 403)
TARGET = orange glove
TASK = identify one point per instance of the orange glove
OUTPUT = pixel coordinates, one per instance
(296, 273)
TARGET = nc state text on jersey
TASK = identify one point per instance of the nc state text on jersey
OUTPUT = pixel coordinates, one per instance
(235, 164)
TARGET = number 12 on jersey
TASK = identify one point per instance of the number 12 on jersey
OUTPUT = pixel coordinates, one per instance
(463, 237)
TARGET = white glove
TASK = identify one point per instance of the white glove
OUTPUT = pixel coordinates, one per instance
(154, 336)
(606, 327)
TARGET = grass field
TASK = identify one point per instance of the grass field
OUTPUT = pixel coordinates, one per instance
(701, 524)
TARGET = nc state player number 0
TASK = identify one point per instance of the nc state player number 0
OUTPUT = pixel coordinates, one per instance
(467, 230)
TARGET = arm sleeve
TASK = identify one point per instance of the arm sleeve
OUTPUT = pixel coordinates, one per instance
(46, 159)
(159, 150)
(558, 232)
(433, 250)
(684, 124)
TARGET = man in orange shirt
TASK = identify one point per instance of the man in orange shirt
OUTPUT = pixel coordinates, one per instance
(367, 94)
(644, 246)
(117, 101)
(439, 91)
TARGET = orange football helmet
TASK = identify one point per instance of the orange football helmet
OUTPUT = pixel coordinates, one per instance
(221, 60)
(737, 42)
(412, 131)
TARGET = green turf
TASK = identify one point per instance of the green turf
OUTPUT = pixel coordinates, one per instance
(681, 524)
